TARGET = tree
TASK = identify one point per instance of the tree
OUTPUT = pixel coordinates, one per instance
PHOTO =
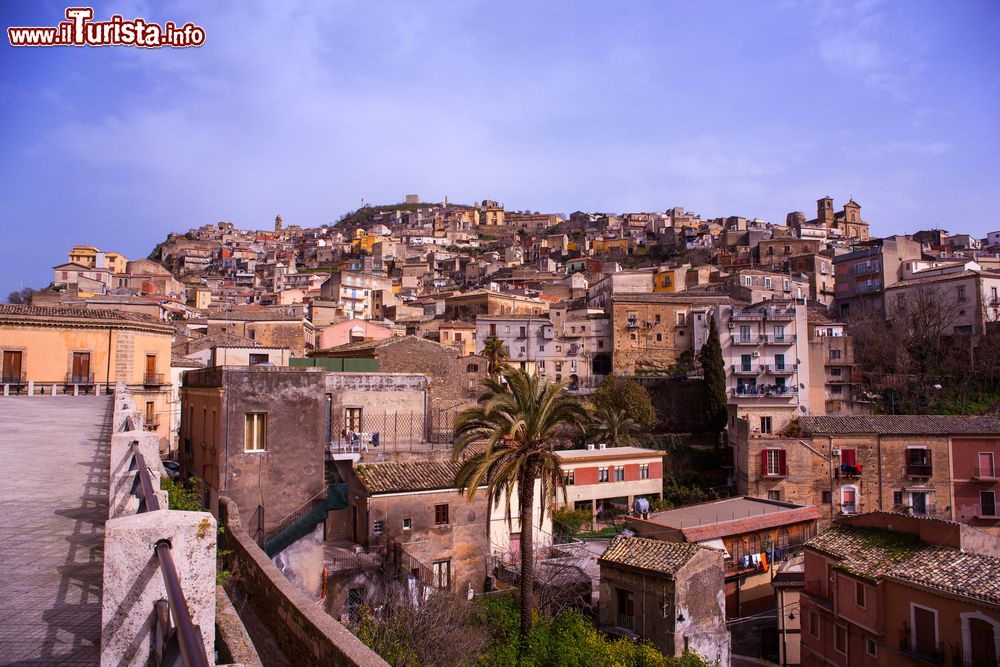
(506, 442)
(21, 296)
(495, 351)
(626, 396)
(613, 427)
(714, 370)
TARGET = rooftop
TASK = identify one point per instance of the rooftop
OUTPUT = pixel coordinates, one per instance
(731, 516)
(393, 477)
(868, 553)
(902, 425)
(609, 452)
(645, 554)
(950, 571)
(74, 315)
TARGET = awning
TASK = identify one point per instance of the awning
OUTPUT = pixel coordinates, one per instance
(716, 544)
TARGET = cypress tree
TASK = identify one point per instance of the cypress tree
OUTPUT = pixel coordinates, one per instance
(714, 369)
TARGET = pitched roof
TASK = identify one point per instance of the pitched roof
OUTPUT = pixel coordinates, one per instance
(966, 574)
(868, 553)
(902, 425)
(393, 477)
(925, 280)
(71, 315)
(363, 345)
(646, 554)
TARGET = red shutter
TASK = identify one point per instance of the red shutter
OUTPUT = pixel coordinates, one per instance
(782, 468)
(763, 463)
(847, 457)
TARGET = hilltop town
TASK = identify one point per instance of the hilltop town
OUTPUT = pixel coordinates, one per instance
(788, 431)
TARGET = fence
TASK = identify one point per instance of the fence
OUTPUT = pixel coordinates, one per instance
(394, 431)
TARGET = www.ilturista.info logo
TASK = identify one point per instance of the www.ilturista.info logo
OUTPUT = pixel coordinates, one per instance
(80, 30)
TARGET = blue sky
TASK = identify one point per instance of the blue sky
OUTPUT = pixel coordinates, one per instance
(308, 109)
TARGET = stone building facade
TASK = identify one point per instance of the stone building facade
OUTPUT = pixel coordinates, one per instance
(667, 593)
(269, 328)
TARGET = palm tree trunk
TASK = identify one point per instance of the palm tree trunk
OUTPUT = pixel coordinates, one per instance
(526, 489)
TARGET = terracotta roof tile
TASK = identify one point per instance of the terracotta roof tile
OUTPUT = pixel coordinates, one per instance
(868, 553)
(902, 425)
(966, 574)
(393, 477)
(646, 554)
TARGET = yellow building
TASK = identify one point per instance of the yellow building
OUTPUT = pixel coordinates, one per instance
(670, 280)
(87, 255)
(364, 241)
(612, 246)
(53, 350)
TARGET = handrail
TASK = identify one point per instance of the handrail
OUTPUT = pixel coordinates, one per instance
(190, 641)
(296, 513)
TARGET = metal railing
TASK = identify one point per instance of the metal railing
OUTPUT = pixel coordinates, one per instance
(152, 379)
(185, 636)
(930, 652)
(626, 622)
(296, 514)
(85, 379)
(13, 378)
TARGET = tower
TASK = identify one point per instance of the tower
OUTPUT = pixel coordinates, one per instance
(277, 223)
(824, 212)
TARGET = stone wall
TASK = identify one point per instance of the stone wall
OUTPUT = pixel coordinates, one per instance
(305, 633)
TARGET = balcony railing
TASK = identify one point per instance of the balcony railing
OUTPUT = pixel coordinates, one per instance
(740, 369)
(81, 379)
(754, 339)
(13, 378)
(848, 508)
(626, 622)
(981, 474)
(846, 471)
(765, 391)
(918, 469)
(783, 369)
(152, 379)
(932, 653)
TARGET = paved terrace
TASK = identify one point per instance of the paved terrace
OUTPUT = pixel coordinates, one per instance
(53, 503)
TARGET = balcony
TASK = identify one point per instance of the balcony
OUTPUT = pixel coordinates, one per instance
(986, 475)
(632, 324)
(13, 378)
(787, 339)
(151, 425)
(848, 508)
(748, 340)
(817, 594)
(746, 316)
(626, 622)
(783, 369)
(740, 369)
(846, 471)
(918, 469)
(764, 391)
(80, 379)
(153, 380)
(929, 652)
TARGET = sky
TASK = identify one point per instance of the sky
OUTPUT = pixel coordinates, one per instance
(309, 109)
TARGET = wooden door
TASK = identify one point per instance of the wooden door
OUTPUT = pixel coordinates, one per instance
(81, 367)
(982, 643)
(11, 366)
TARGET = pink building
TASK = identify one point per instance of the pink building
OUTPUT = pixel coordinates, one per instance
(352, 331)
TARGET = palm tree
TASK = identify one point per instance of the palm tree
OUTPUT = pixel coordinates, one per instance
(613, 427)
(508, 441)
(495, 351)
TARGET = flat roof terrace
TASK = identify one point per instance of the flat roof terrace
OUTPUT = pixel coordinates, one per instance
(53, 505)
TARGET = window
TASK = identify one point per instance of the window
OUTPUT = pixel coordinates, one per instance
(441, 515)
(659, 338)
(849, 500)
(472, 368)
(835, 372)
(619, 473)
(81, 368)
(840, 639)
(681, 318)
(442, 573)
(835, 354)
(767, 283)
(924, 632)
(258, 359)
(569, 477)
(378, 528)
(826, 496)
(643, 471)
(814, 624)
(988, 503)
(779, 332)
(506, 329)
(773, 462)
(11, 366)
(352, 419)
(860, 597)
(602, 474)
(407, 523)
(961, 292)
(897, 498)
(150, 413)
(765, 424)
(986, 468)
(918, 462)
(255, 433)
(774, 495)
(871, 647)
(779, 362)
